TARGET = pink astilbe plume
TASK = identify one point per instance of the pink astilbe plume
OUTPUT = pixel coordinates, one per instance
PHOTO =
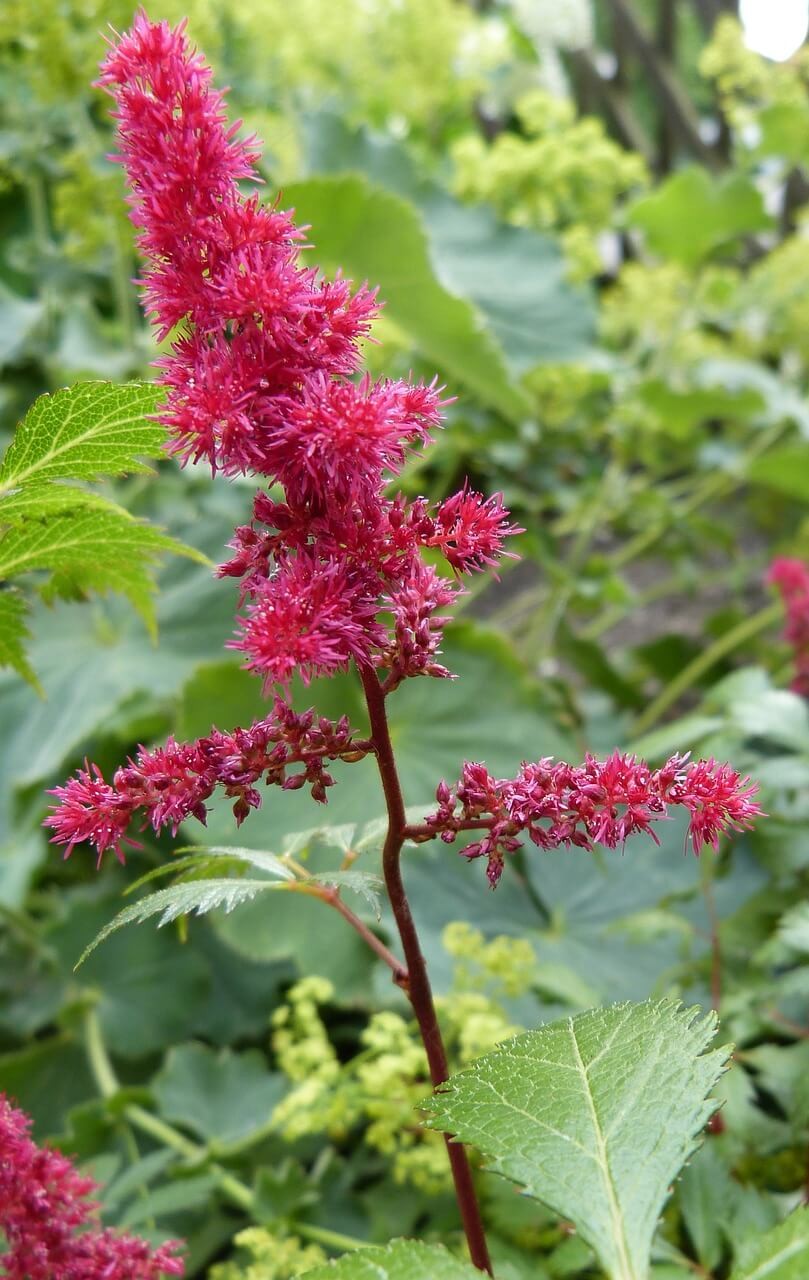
(791, 577)
(600, 802)
(261, 379)
(51, 1226)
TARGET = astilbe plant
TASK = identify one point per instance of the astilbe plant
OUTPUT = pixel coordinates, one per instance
(50, 1224)
(261, 380)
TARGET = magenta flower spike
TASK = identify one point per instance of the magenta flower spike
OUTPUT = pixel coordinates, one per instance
(49, 1223)
(259, 380)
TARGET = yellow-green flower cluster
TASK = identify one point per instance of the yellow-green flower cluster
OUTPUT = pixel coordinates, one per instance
(380, 1087)
(561, 173)
(265, 1256)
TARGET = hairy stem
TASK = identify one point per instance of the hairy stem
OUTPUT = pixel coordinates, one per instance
(418, 984)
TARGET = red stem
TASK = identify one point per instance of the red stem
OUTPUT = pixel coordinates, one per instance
(418, 985)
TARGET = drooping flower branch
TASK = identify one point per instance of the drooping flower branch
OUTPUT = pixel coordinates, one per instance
(172, 783)
(599, 802)
(50, 1224)
(791, 577)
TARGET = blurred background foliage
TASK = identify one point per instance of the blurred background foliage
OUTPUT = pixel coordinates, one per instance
(590, 220)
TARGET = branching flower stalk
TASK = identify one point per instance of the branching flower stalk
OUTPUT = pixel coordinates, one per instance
(260, 380)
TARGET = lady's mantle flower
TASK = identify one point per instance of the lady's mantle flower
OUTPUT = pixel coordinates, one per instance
(50, 1225)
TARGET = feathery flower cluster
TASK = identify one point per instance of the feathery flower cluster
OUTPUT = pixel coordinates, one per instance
(791, 577)
(50, 1225)
(332, 573)
(259, 381)
(598, 802)
(172, 783)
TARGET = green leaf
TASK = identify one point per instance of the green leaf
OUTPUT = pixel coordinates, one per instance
(516, 277)
(13, 634)
(39, 501)
(365, 884)
(223, 1097)
(19, 318)
(400, 1260)
(172, 1197)
(595, 1116)
(692, 213)
(786, 470)
(377, 236)
(779, 1254)
(197, 896)
(82, 432)
(793, 928)
(98, 550)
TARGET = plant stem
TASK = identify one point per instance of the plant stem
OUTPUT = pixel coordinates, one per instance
(703, 662)
(418, 985)
(332, 899)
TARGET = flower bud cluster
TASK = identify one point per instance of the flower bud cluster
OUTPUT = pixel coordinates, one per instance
(598, 802)
(172, 783)
(50, 1224)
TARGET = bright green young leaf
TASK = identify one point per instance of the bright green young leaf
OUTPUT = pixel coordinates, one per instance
(40, 501)
(693, 213)
(92, 550)
(377, 236)
(223, 1097)
(595, 1116)
(400, 1260)
(197, 896)
(13, 634)
(779, 1254)
(82, 432)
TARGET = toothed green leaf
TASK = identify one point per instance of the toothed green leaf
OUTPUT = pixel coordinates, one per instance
(595, 1116)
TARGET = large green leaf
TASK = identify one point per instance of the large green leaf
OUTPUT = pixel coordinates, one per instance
(692, 213)
(595, 1116)
(779, 1254)
(400, 1260)
(375, 235)
(82, 432)
(516, 277)
(222, 1097)
(126, 975)
(786, 470)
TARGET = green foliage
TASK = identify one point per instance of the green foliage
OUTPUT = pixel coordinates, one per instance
(84, 541)
(780, 1254)
(594, 1116)
(691, 215)
(401, 1260)
(649, 432)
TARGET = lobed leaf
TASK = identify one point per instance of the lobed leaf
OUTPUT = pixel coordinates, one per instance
(91, 429)
(595, 1116)
(400, 1260)
(40, 501)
